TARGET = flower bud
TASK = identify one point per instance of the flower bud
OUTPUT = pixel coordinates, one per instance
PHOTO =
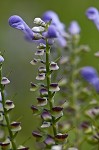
(5, 81)
(34, 61)
(53, 66)
(57, 111)
(74, 28)
(39, 22)
(42, 101)
(15, 126)
(44, 92)
(33, 87)
(54, 87)
(5, 145)
(41, 46)
(36, 134)
(42, 70)
(38, 29)
(34, 109)
(37, 36)
(9, 105)
(46, 116)
(39, 52)
(46, 124)
(49, 140)
(41, 76)
(61, 137)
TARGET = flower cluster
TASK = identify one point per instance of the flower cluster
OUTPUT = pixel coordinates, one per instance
(59, 117)
(6, 106)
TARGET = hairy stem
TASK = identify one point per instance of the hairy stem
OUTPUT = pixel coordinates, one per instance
(5, 112)
(48, 78)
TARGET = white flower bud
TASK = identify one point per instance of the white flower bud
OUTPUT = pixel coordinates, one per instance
(38, 29)
(40, 22)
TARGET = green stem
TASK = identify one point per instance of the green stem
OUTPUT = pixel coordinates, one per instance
(48, 78)
(5, 112)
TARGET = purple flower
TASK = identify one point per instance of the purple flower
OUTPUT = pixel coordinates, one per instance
(18, 23)
(52, 32)
(93, 14)
(88, 73)
(60, 27)
(74, 28)
(91, 76)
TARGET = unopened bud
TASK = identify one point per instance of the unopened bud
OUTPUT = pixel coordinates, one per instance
(34, 109)
(33, 87)
(41, 76)
(42, 101)
(46, 116)
(54, 87)
(41, 46)
(36, 134)
(49, 141)
(40, 22)
(9, 105)
(43, 92)
(38, 29)
(37, 36)
(46, 124)
(15, 126)
(39, 52)
(54, 66)
(5, 81)
(57, 111)
(42, 70)
(61, 137)
(5, 145)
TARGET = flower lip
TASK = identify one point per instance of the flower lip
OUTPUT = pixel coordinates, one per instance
(18, 23)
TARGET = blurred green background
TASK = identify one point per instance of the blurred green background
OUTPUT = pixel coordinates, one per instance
(18, 53)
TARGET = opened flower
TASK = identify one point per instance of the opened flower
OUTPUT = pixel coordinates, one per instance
(18, 23)
(60, 27)
(91, 76)
(93, 14)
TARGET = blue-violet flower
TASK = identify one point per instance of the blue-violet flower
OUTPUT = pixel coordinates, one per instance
(93, 14)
